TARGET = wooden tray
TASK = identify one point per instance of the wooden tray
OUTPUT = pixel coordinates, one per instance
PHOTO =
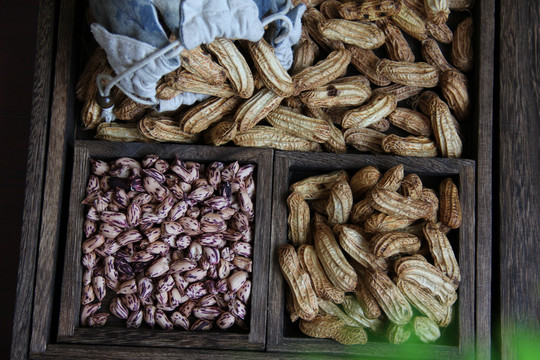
(70, 331)
(458, 339)
(51, 156)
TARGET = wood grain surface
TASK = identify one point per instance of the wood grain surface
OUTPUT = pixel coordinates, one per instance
(518, 311)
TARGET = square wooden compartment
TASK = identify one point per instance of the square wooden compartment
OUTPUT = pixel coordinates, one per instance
(458, 339)
(70, 331)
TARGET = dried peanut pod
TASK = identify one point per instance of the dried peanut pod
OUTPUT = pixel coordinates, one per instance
(417, 6)
(410, 121)
(291, 306)
(197, 62)
(409, 146)
(381, 125)
(377, 108)
(323, 72)
(445, 128)
(363, 180)
(431, 279)
(411, 22)
(351, 335)
(412, 186)
(397, 47)
(120, 132)
(426, 303)
(272, 73)
(460, 5)
(426, 329)
(433, 55)
(353, 308)
(329, 308)
(394, 243)
(294, 103)
(450, 206)
(319, 206)
(256, 108)
(354, 244)
(462, 51)
(454, 87)
(397, 334)
(361, 211)
(340, 203)
(401, 92)
(363, 35)
(299, 282)
(299, 125)
(232, 60)
(298, 219)
(185, 81)
(390, 299)
(392, 178)
(318, 186)
(166, 92)
(364, 139)
(336, 143)
(321, 284)
(129, 110)
(336, 267)
(365, 61)
(365, 298)
(267, 136)
(310, 21)
(424, 101)
(221, 133)
(304, 55)
(207, 113)
(406, 73)
(330, 9)
(322, 327)
(369, 10)
(440, 32)
(87, 80)
(382, 223)
(392, 203)
(164, 129)
(338, 93)
(437, 11)
(430, 196)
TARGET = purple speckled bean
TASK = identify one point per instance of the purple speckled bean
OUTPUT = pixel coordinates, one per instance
(201, 325)
(89, 310)
(212, 255)
(150, 315)
(196, 290)
(161, 165)
(163, 321)
(237, 308)
(183, 242)
(131, 301)
(225, 320)
(89, 260)
(99, 167)
(145, 286)
(207, 312)
(194, 275)
(186, 308)
(180, 320)
(158, 176)
(149, 160)
(211, 239)
(165, 284)
(118, 309)
(134, 320)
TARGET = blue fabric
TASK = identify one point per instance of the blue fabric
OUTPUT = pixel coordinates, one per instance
(267, 7)
(170, 12)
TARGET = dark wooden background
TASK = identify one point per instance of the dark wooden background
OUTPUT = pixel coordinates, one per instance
(516, 175)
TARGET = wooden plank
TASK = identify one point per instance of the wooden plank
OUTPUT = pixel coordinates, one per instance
(69, 330)
(52, 193)
(519, 170)
(34, 180)
(460, 341)
(484, 15)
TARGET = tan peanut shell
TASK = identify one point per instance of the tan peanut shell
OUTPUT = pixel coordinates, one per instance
(221, 133)
(449, 204)
(336, 267)
(339, 203)
(397, 334)
(462, 51)
(381, 223)
(392, 178)
(205, 114)
(304, 55)
(95, 65)
(442, 253)
(390, 298)
(353, 308)
(272, 73)
(394, 243)
(431, 197)
(363, 180)
(299, 282)
(358, 248)
(365, 298)
(437, 11)
(322, 327)
(120, 132)
(460, 5)
(365, 61)
(338, 93)
(323, 72)
(329, 308)
(322, 286)
(369, 10)
(401, 92)
(268, 136)
(445, 128)
(392, 203)
(129, 110)
(291, 306)
(330, 9)
(454, 87)
(440, 32)
(397, 47)
(166, 92)
(184, 81)
(298, 220)
(377, 108)
(361, 211)
(256, 108)
(299, 125)
(318, 186)
(411, 22)
(91, 114)
(232, 60)
(164, 129)
(381, 125)
(336, 143)
(197, 62)
(363, 35)
(409, 146)
(431, 52)
(310, 21)
(406, 73)
(412, 187)
(426, 329)
(411, 121)
(364, 139)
